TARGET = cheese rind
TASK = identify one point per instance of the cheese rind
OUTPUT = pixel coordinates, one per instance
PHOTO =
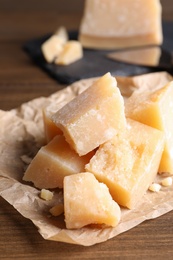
(93, 117)
(86, 201)
(53, 162)
(155, 108)
(128, 163)
(110, 24)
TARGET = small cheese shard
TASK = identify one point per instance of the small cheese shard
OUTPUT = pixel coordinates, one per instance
(46, 194)
(71, 52)
(50, 129)
(93, 117)
(110, 24)
(57, 210)
(86, 201)
(155, 187)
(166, 182)
(128, 163)
(53, 162)
(155, 108)
(52, 47)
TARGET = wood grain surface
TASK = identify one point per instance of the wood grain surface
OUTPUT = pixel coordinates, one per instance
(21, 81)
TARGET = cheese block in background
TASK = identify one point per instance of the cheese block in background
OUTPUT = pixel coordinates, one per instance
(93, 117)
(155, 108)
(86, 201)
(113, 24)
(128, 163)
(53, 162)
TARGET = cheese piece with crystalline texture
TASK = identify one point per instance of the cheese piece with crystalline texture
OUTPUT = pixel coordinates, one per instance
(71, 52)
(86, 201)
(93, 117)
(112, 24)
(128, 163)
(155, 108)
(53, 162)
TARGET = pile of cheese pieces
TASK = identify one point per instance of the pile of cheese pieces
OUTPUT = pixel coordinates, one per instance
(58, 49)
(104, 152)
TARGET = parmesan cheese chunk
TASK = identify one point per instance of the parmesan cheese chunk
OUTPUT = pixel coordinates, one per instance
(86, 201)
(155, 108)
(53, 162)
(46, 194)
(93, 117)
(128, 163)
(155, 187)
(110, 24)
(57, 210)
(71, 52)
(166, 182)
(52, 47)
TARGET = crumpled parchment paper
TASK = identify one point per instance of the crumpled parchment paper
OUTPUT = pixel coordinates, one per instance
(22, 134)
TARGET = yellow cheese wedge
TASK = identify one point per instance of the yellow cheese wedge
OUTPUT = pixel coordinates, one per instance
(110, 24)
(156, 109)
(128, 163)
(86, 201)
(53, 162)
(71, 52)
(52, 47)
(93, 117)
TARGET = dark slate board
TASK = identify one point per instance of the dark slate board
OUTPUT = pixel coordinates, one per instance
(94, 63)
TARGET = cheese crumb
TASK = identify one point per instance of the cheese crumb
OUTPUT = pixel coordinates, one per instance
(166, 182)
(46, 194)
(57, 210)
(155, 187)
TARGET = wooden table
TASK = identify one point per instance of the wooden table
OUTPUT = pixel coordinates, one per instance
(21, 81)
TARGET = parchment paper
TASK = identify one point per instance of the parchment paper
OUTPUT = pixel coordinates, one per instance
(22, 134)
